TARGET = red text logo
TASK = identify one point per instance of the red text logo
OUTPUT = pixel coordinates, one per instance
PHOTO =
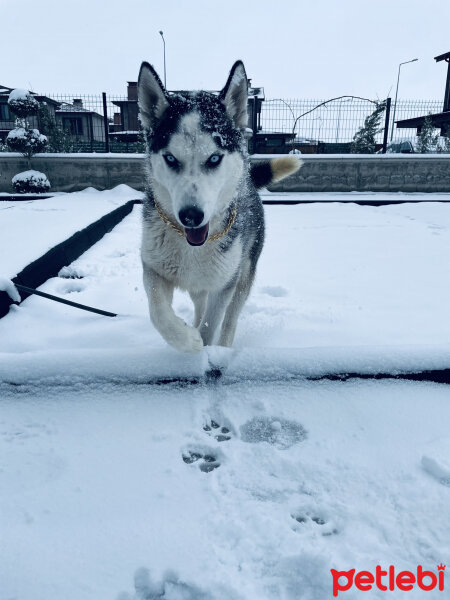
(388, 580)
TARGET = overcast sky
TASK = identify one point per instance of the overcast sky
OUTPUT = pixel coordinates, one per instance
(294, 48)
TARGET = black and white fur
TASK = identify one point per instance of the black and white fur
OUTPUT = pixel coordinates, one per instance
(197, 170)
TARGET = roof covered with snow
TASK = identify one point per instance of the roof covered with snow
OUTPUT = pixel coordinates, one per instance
(76, 108)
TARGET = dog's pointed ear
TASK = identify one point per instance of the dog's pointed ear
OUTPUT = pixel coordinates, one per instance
(235, 94)
(152, 97)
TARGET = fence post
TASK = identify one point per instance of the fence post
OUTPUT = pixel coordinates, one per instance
(105, 122)
(254, 125)
(91, 131)
(386, 125)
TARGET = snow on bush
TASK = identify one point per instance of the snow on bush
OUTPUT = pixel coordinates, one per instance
(428, 138)
(30, 181)
(25, 140)
(22, 103)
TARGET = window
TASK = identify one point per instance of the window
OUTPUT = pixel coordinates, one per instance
(73, 124)
(5, 114)
(275, 142)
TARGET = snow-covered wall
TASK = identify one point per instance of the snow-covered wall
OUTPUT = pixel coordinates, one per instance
(370, 172)
(74, 172)
(320, 173)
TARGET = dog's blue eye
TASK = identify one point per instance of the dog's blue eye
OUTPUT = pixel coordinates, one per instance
(214, 160)
(171, 160)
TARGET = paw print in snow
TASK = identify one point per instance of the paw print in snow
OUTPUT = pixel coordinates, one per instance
(220, 433)
(207, 462)
(315, 523)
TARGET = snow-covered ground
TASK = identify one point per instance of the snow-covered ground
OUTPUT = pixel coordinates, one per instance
(28, 229)
(105, 477)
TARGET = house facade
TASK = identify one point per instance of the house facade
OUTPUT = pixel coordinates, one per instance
(83, 124)
(8, 118)
(126, 126)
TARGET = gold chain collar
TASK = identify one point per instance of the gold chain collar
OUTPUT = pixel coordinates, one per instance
(212, 238)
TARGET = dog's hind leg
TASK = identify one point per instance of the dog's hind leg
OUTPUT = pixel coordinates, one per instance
(199, 299)
(241, 292)
(173, 329)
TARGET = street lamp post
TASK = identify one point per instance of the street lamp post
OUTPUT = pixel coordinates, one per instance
(164, 42)
(396, 92)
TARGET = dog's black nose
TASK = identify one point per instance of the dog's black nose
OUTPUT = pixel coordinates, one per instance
(191, 216)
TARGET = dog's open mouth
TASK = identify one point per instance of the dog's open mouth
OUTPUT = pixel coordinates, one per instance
(197, 236)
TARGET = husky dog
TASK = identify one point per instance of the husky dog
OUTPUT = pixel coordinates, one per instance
(203, 228)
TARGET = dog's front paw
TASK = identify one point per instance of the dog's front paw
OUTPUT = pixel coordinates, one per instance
(188, 340)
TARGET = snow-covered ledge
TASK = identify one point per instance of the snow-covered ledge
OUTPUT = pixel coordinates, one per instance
(369, 172)
(320, 173)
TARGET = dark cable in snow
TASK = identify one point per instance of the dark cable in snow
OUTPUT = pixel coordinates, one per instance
(28, 290)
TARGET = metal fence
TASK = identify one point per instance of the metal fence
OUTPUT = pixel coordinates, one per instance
(99, 123)
(335, 122)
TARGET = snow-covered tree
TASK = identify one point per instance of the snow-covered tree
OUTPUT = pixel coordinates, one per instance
(364, 139)
(22, 103)
(26, 140)
(445, 146)
(59, 139)
(427, 138)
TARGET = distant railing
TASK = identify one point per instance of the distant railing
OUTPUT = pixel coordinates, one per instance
(335, 122)
(91, 123)
(99, 122)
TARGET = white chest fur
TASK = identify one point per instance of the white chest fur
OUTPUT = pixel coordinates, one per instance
(193, 268)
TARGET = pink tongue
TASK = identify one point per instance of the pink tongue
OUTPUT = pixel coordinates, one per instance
(197, 236)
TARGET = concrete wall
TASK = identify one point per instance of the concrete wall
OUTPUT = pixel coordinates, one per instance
(383, 173)
(320, 173)
(72, 172)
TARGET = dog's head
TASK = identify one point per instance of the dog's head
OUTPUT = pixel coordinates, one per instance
(195, 143)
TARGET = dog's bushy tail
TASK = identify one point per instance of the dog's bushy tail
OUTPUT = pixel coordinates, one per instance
(270, 171)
